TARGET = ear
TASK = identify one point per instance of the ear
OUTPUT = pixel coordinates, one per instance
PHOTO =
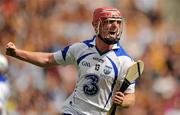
(95, 27)
(92, 24)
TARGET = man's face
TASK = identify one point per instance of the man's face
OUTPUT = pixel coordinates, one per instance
(110, 28)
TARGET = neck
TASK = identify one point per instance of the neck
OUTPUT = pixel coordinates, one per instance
(103, 47)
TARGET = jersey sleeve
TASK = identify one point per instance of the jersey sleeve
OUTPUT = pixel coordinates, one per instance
(68, 55)
(5, 93)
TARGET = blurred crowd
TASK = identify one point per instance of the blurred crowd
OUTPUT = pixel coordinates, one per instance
(151, 33)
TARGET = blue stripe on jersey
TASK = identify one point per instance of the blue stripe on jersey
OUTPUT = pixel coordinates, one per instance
(82, 57)
(87, 42)
(115, 78)
(120, 51)
(2, 78)
(64, 52)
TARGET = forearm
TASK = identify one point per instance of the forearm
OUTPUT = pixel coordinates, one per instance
(128, 101)
(36, 58)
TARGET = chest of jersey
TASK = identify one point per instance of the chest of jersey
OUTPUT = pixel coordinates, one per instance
(101, 66)
(97, 75)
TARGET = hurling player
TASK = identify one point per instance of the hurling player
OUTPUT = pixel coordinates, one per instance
(101, 63)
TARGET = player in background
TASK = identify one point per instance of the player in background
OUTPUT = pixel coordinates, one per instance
(101, 63)
(4, 85)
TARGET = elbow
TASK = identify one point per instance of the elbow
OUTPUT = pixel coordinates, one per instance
(48, 62)
(42, 63)
(45, 63)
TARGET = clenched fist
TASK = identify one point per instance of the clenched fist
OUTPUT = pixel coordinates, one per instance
(11, 49)
(118, 98)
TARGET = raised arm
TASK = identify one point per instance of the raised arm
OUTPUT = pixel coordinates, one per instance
(37, 58)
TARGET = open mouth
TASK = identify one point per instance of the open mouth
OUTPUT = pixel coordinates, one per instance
(112, 33)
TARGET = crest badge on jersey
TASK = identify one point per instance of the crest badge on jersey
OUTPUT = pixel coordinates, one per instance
(107, 70)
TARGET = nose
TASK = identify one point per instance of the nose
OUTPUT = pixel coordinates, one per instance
(115, 24)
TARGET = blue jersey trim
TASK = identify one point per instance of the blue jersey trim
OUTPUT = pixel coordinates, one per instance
(120, 51)
(115, 78)
(87, 42)
(3, 78)
(82, 57)
(64, 52)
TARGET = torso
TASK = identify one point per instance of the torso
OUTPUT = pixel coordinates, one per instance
(98, 75)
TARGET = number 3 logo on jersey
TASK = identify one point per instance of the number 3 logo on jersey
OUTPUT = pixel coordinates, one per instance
(91, 88)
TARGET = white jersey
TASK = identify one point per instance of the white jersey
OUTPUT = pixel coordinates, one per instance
(98, 76)
(4, 93)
